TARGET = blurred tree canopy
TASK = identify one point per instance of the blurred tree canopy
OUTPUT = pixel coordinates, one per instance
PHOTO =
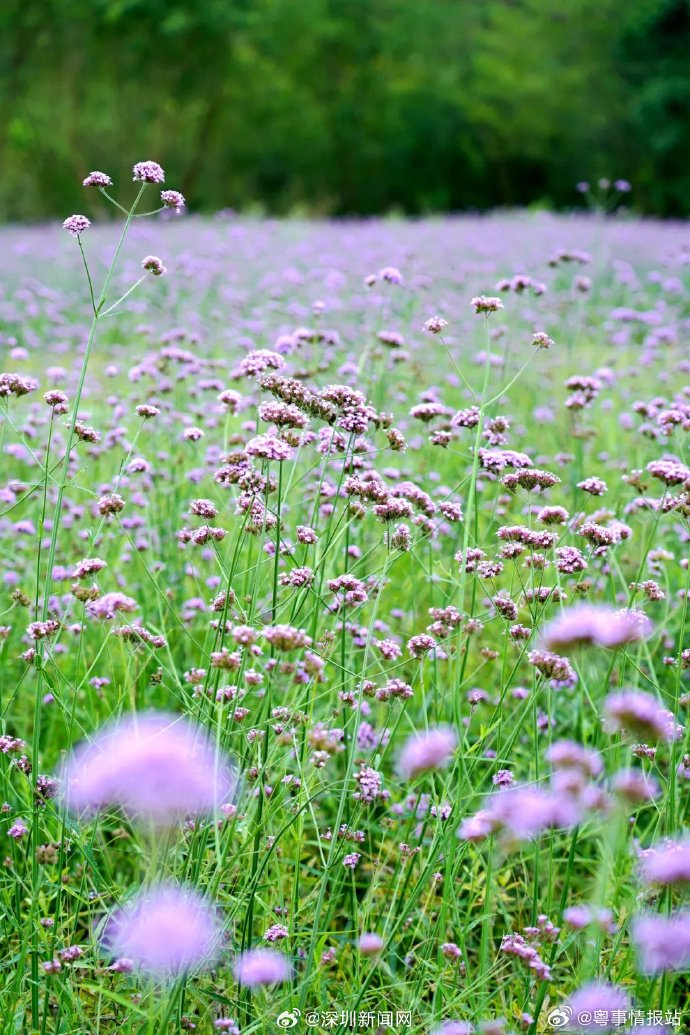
(346, 106)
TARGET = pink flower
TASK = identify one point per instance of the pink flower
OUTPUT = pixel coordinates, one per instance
(97, 179)
(164, 930)
(425, 751)
(370, 944)
(669, 864)
(173, 199)
(156, 766)
(152, 264)
(663, 942)
(598, 626)
(486, 304)
(261, 967)
(76, 225)
(598, 1006)
(148, 172)
(640, 714)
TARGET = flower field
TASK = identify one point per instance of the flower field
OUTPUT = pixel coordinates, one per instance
(344, 664)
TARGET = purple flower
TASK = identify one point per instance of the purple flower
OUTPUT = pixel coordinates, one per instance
(425, 751)
(98, 179)
(76, 225)
(261, 967)
(598, 1006)
(18, 830)
(453, 1028)
(662, 942)
(641, 714)
(148, 172)
(520, 813)
(435, 324)
(152, 264)
(155, 766)
(598, 626)
(486, 304)
(391, 274)
(370, 944)
(173, 199)
(669, 864)
(164, 930)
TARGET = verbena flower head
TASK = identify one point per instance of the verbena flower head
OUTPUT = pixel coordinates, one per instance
(486, 304)
(98, 179)
(370, 944)
(76, 225)
(668, 864)
(425, 751)
(453, 1028)
(391, 274)
(640, 714)
(435, 324)
(152, 264)
(598, 1006)
(173, 199)
(154, 767)
(164, 930)
(148, 172)
(594, 625)
(261, 967)
(662, 942)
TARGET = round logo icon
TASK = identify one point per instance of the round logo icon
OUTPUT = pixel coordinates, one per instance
(559, 1017)
(288, 1018)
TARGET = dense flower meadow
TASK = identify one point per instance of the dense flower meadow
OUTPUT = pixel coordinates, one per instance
(345, 583)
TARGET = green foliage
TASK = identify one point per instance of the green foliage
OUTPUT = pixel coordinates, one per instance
(347, 106)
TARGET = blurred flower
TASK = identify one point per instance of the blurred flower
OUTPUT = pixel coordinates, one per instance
(425, 751)
(486, 304)
(594, 625)
(370, 944)
(261, 967)
(164, 930)
(598, 1006)
(155, 766)
(641, 714)
(662, 942)
(152, 264)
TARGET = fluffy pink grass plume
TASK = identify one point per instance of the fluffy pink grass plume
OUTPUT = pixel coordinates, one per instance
(425, 751)
(164, 930)
(261, 967)
(597, 626)
(598, 1006)
(155, 767)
